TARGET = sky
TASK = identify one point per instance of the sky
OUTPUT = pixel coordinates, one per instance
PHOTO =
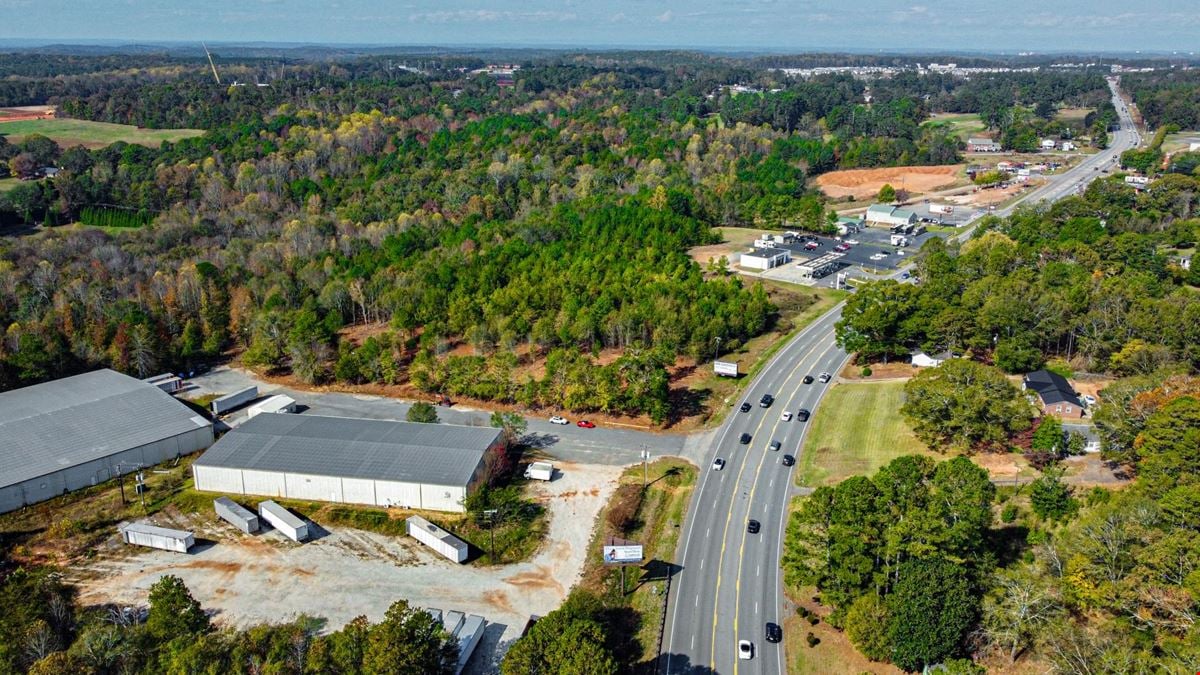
(768, 25)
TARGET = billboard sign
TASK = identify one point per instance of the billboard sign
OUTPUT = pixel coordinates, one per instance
(629, 553)
(729, 368)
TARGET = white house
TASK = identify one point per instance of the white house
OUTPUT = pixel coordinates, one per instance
(765, 258)
(982, 145)
(1048, 144)
(922, 360)
(1068, 146)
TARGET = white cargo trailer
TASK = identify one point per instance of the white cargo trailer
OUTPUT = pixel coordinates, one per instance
(941, 208)
(437, 539)
(274, 404)
(153, 536)
(283, 520)
(452, 620)
(230, 401)
(540, 471)
(167, 382)
(237, 515)
(468, 636)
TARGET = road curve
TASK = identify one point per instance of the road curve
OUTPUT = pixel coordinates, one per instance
(729, 583)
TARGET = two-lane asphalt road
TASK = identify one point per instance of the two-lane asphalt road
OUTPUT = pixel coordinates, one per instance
(729, 584)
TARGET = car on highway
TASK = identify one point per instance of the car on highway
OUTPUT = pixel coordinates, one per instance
(746, 407)
(753, 526)
(766, 400)
(824, 377)
(745, 650)
(808, 379)
(744, 439)
(813, 245)
(585, 424)
(802, 415)
(852, 242)
(786, 416)
(774, 632)
(558, 420)
(788, 460)
(842, 247)
(718, 464)
(775, 446)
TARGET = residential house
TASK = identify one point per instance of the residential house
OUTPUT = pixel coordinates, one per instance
(982, 145)
(1055, 394)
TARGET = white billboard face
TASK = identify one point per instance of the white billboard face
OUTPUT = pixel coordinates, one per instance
(623, 554)
(729, 368)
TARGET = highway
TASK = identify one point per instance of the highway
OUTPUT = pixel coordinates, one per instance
(729, 583)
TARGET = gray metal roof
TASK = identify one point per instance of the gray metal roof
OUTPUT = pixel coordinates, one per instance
(435, 454)
(55, 425)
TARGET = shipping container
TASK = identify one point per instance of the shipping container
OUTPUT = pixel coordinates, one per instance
(230, 401)
(237, 515)
(941, 208)
(283, 520)
(540, 471)
(167, 382)
(438, 539)
(143, 534)
(274, 404)
(452, 620)
(468, 637)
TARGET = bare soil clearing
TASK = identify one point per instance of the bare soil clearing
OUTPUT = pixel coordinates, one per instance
(863, 183)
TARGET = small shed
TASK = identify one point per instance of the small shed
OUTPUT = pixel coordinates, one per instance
(765, 258)
(166, 539)
(437, 539)
(236, 515)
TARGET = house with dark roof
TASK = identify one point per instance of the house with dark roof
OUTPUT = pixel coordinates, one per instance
(1055, 394)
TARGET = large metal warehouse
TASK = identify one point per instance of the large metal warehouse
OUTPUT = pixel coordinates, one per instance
(79, 431)
(354, 461)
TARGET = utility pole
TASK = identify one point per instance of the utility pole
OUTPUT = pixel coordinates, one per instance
(717, 353)
(645, 456)
(490, 514)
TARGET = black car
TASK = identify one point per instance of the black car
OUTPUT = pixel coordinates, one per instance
(774, 632)
(802, 415)
(766, 400)
(775, 445)
(744, 439)
(788, 460)
(753, 527)
(746, 407)
(808, 379)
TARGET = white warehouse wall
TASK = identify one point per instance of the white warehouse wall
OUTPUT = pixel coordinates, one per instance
(330, 489)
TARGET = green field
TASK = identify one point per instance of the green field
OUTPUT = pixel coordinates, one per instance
(7, 184)
(1180, 141)
(68, 132)
(857, 430)
(962, 125)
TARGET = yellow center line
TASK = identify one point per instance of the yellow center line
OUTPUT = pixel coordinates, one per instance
(737, 602)
(712, 654)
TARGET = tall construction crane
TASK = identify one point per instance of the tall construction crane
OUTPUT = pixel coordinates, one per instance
(210, 63)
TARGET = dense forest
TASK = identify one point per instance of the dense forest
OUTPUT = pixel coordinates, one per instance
(523, 244)
(1167, 97)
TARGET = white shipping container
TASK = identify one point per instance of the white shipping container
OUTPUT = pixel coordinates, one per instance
(283, 520)
(238, 516)
(230, 401)
(438, 539)
(941, 208)
(163, 538)
(274, 404)
(540, 471)
(468, 637)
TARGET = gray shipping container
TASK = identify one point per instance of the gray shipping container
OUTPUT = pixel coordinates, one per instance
(230, 401)
(167, 382)
(240, 517)
(163, 538)
(283, 520)
(452, 621)
(468, 637)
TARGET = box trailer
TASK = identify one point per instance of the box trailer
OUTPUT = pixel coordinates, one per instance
(283, 520)
(468, 636)
(230, 401)
(274, 404)
(540, 471)
(452, 620)
(167, 382)
(437, 539)
(941, 208)
(236, 515)
(899, 240)
(144, 534)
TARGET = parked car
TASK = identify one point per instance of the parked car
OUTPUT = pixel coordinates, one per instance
(753, 526)
(585, 424)
(558, 420)
(775, 446)
(718, 464)
(852, 242)
(745, 650)
(774, 632)
(905, 275)
(802, 415)
(843, 247)
(808, 379)
(1089, 400)
(824, 377)
(746, 407)
(786, 416)
(744, 439)
(813, 245)
(766, 400)
(788, 460)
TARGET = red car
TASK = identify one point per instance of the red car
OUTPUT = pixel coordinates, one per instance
(585, 424)
(813, 245)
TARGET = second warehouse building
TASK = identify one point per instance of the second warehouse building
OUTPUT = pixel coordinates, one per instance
(354, 461)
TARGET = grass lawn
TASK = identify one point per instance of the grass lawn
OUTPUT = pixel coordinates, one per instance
(1176, 142)
(856, 430)
(68, 132)
(962, 125)
(7, 184)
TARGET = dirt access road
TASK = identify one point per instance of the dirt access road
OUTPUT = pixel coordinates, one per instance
(346, 573)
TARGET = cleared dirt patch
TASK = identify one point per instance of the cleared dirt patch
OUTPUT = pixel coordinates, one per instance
(863, 183)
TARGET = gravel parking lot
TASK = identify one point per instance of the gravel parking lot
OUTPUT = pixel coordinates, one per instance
(346, 573)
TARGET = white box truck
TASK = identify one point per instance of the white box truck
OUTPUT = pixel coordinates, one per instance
(540, 471)
(899, 240)
(283, 520)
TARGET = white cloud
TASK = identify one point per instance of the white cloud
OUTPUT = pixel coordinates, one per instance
(488, 16)
(665, 16)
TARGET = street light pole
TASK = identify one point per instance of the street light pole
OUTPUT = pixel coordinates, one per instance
(645, 456)
(717, 353)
